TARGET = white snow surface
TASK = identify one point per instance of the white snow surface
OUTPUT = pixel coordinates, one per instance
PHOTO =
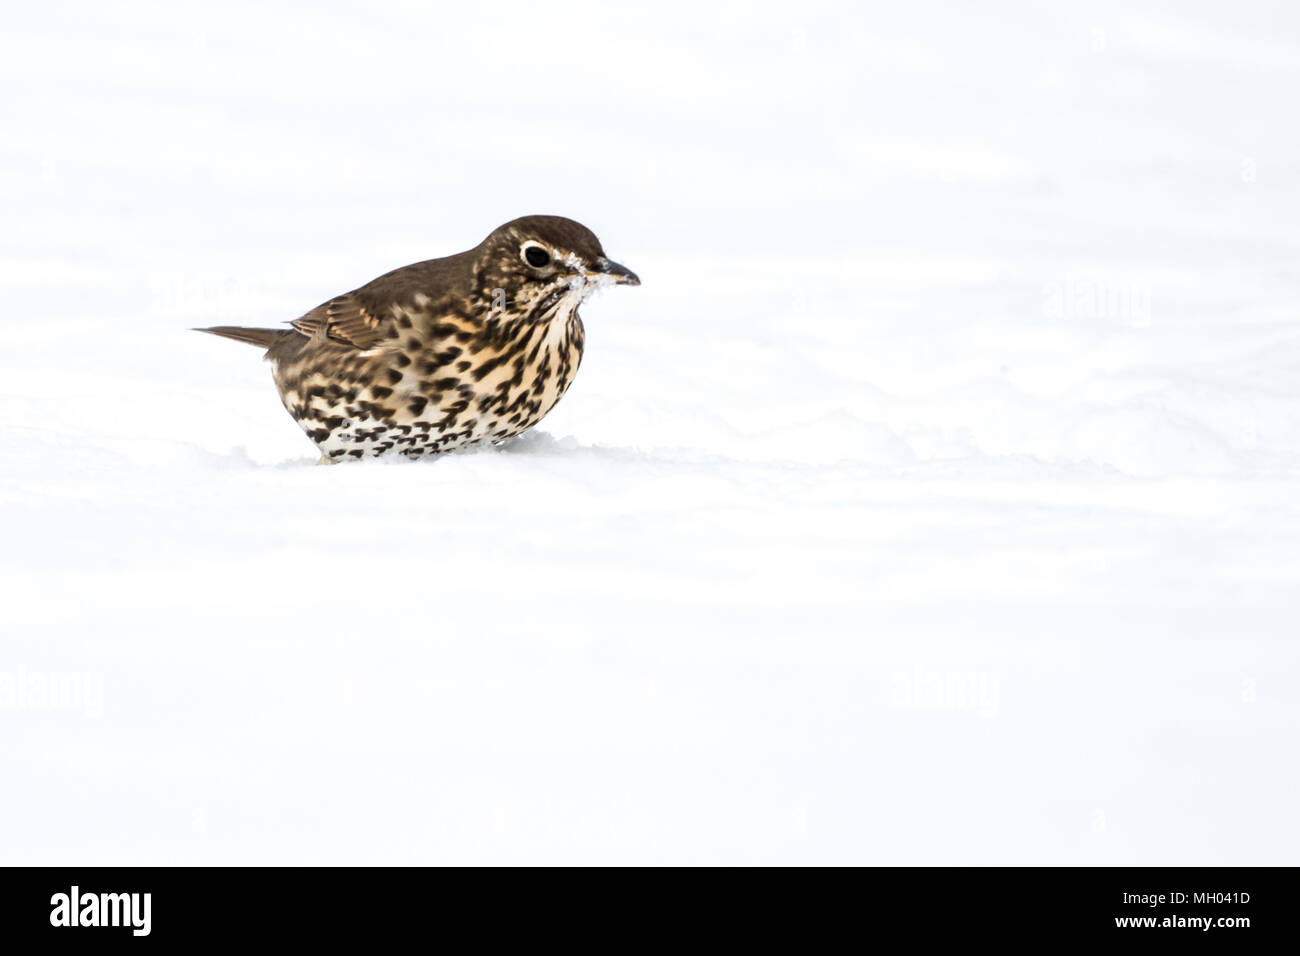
(933, 501)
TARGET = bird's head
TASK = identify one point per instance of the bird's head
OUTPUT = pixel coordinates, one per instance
(538, 265)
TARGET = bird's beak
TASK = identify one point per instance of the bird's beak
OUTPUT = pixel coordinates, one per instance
(620, 274)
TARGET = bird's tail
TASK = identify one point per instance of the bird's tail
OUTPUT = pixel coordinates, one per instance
(264, 338)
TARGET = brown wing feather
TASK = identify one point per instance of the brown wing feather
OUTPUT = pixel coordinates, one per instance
(345, 320)
(364, 317)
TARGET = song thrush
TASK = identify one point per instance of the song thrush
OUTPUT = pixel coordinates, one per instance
(474, 347)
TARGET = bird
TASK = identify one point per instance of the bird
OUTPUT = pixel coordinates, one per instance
(471, 348)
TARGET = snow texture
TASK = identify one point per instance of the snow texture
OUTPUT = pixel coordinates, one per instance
(932, 501)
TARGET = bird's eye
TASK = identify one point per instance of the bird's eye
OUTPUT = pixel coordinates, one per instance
(537, 257)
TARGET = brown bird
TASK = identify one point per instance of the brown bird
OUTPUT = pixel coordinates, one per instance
(450, 352)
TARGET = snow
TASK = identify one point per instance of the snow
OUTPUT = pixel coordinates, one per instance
(933, 500)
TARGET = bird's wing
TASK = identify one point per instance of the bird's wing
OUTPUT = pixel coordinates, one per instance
(347, 321)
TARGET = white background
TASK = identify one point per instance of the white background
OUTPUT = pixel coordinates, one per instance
(932, 501)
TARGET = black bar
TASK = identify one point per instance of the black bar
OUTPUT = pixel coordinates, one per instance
(328, 905)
